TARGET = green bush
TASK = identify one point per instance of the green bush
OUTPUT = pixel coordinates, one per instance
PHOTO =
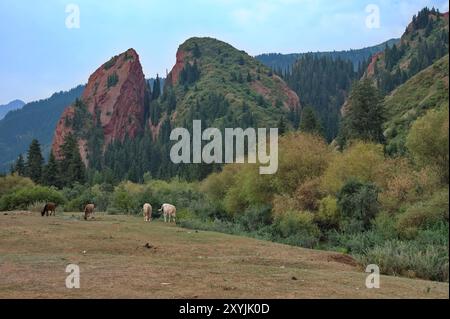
(255, 218)
(424, 214)
(358, 204)
(22, 198)
(353, 243)
(11, 183)
(406, 258)
(328, 216)
(297, 228)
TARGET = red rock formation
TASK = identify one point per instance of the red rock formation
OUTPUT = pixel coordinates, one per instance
(371, 67)
(118, 106)
(174, 75)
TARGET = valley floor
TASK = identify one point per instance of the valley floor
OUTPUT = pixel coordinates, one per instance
(123, 257)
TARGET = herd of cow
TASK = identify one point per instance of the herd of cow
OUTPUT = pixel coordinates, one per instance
(169, 211)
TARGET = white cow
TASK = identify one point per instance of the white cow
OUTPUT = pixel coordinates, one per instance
(170, 211)
(147, 212)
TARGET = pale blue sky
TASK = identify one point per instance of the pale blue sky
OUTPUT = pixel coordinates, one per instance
(40, 55)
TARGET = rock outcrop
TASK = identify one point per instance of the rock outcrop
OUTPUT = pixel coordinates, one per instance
(114, 99)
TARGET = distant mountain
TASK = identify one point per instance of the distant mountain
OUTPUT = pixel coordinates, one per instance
(283, 62)
(34, 120)
(11, 106)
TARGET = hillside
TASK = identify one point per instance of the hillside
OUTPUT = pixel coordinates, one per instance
(251, 93)
(178, 263)
(11, 106)
(424, 42)
(35, 120)
(278, 61)
(426, 90)
(120, 117)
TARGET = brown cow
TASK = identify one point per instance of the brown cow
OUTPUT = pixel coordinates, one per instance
(88, 211)
(49, 207)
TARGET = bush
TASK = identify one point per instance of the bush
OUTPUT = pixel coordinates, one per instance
(36, 207)
(428, 141)
(297, 228)
(424, 214)
(328, 216)
(356, 243)
(362, 161)
(22, 198)
(255, 218)
(409, 259)
(358, 204)
(11, 183)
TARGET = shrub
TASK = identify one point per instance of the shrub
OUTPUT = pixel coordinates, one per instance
(354, 243)
(22, 198)
(424, 214)
(358, 204)
(428, 141)
(36, 207)
(408, 259)
(297, 228)
(302, 157)
(255, 218)
(362, 161)
(11, 183)
(384, 224)
(308, 195)
(328, 216)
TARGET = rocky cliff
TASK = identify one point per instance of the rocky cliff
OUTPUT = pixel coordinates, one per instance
(113, 104)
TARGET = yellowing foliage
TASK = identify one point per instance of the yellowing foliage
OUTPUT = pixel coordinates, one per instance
(362, 161)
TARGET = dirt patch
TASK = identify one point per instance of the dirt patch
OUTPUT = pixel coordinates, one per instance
(343, 259)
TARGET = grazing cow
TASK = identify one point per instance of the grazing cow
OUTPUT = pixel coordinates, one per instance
(88, 211)
(147, 212)
(168, 211)
(49, 207)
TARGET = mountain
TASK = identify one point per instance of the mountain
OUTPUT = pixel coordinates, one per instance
(123, 126)
(34, 120)
(111, 108)
(283, 62)
(208, 70)
(11, 106)
(424, 42)
(426, 90)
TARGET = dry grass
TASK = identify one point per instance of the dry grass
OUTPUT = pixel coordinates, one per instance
(34, 252)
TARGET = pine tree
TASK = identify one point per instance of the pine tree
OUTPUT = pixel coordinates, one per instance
(282, 126)
(71, 165)
(51, 174)
(19, 166)
(365, 115)
(34, 162)
(156, 92)
(309, 122)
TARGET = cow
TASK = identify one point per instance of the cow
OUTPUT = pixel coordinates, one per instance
(88, 211)
(147, 212)
(49, 207)
(170, 211)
